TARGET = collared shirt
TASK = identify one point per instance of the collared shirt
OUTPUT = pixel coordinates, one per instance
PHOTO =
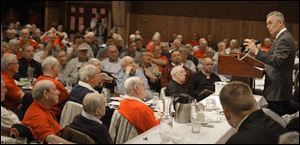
(86, 85)
(41, 120)
(90, 117)
(111, 67)
(134, 98)
(281, 31)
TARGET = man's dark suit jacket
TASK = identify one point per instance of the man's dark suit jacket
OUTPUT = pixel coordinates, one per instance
(279, 62)
(257, 128)
(175, 88)
(95, 130)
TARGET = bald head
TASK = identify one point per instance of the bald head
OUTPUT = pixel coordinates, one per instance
(126, 61)
(94, 104)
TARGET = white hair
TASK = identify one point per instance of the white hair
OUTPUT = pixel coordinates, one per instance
(277, 14)
(13, 42)
(124, 60)
(48, 63)
(291, 137)
(6, 60)
(175, 70)
(131, 83)
(92, 61)
(40, 87)
(91, 102)
(86, 72)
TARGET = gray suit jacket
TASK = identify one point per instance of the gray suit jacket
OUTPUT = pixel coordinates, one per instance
(279, 63)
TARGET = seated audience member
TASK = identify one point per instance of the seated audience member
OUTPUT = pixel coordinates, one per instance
(89, 122)
(39, 117)
(89, 78)
(90, 39)
(139, 42)
(26, 40)
(26, 63)
(14, 95)
(8, 118)
(194, 40)
(155, 42)
(184, 57)
(151, 71)
(176, 85)
(134, 109)
(78, 42)
(243, 113)
(130, 69)
(67, 72)
(51, 69)
(107, 79)
(112, 64)
(202, 80)
(14, 47)
(160, 60)
(234, 46)
(81, 59)
(101, 54)
(199, 50)
(166, 74)
(131, 51)
(267, 44)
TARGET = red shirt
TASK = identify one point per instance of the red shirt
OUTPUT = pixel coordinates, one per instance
(199, 54)
(193, 42)
(41, 121)
(138, 114)
(13, 96)
(63, 94)
(32, 42)
(161, 68)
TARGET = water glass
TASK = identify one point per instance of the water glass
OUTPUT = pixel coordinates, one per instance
(196, 127)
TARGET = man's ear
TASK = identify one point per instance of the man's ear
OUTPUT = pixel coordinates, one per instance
(227, 113)
(46, 96)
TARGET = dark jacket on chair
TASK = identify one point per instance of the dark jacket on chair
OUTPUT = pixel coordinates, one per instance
(78, 92)
(257, 128)
(95, 130)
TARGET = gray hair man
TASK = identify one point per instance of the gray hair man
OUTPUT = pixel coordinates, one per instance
(39, 117)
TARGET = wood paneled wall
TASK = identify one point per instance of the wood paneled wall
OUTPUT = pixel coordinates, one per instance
(217, 27)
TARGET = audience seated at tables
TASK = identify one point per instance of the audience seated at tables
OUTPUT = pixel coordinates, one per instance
(184, 58)
(51, 70)
(199, 50)
(176, 85)
(166, 74)
(8, 118)
(14, 95)
(243, 113)
(130, 69)
(160, 60)
(134, 109)
(27, 62)
(89, 122)
(202, 80)
(14, 47)
(39, 117)
(150, 70)
(26, 40)
(89, 77)
(67, 72)
(112, 64)
(132, 52)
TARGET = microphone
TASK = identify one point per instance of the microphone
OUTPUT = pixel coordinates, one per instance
(244, 49)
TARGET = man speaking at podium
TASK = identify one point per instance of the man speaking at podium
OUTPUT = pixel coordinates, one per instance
(279, 63)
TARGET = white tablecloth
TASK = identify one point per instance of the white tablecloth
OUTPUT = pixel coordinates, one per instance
(220, 133)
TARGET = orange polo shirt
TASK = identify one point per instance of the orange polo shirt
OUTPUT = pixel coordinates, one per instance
(138, 114)
(199, 54)
(41, 121)
(32, 42)
(63, 94)
(13, 96)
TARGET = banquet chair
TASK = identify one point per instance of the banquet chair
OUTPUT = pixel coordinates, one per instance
(75, 136)
(70, 110)
(120, 129)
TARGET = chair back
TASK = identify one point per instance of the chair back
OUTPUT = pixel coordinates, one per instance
(70, 110)
(75, 136)
(120, 129)
(275, 117)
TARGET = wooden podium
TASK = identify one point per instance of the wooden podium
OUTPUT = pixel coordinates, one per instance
(240, 70)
